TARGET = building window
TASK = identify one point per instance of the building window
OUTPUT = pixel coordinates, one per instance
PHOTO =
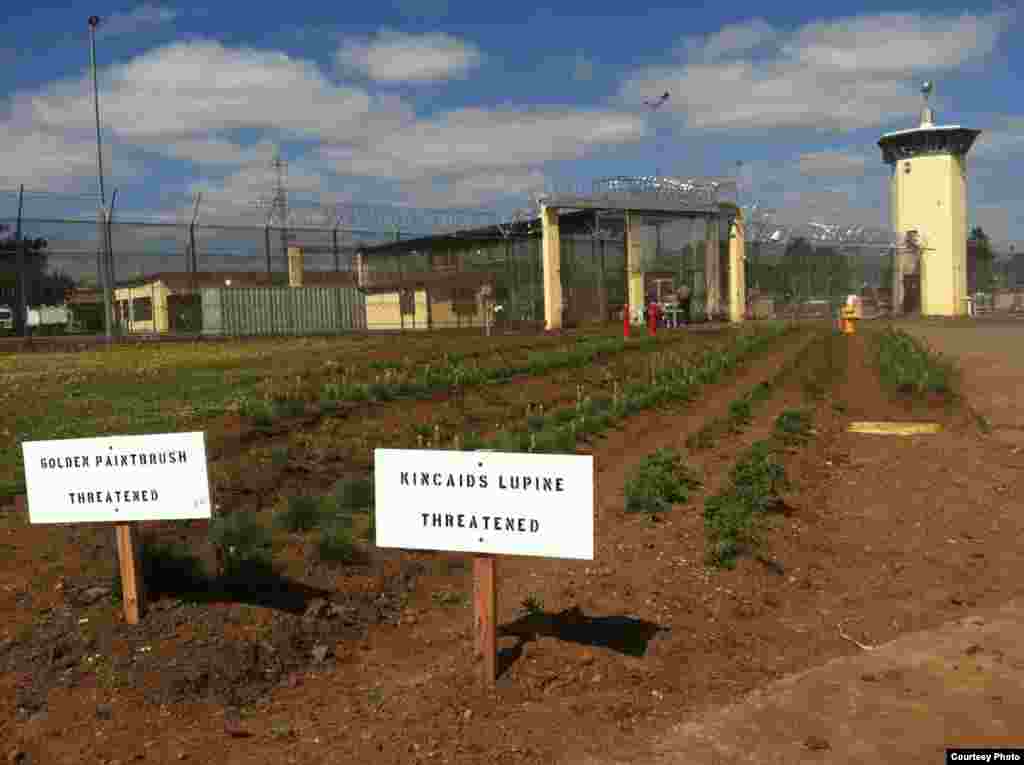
(142, 309)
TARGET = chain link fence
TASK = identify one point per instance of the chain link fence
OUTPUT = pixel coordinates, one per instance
(415, 269)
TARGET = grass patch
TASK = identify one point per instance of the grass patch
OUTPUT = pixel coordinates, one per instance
(659, 481)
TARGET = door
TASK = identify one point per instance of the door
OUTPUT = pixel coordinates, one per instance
(912, 293)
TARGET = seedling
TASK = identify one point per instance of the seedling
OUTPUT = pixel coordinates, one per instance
(532, 605)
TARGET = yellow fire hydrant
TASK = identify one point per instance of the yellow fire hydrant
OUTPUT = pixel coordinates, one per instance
(849, 314)
(848, 317)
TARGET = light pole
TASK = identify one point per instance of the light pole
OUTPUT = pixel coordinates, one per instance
(104, 265)
(654, 105)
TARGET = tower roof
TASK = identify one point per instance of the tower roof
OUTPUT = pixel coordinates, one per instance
(925, 141)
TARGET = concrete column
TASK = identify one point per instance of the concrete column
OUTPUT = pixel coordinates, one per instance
(551, 261)
(634, 268)
(295, 266)
(712, 276)
(737, 270)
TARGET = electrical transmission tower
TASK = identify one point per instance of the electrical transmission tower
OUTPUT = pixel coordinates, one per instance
(276, 204)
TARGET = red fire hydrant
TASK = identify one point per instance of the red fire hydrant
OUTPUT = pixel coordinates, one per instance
(652, 317)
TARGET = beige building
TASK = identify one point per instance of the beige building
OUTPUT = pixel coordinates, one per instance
(169, 301)
(928, 209)
(424, 300)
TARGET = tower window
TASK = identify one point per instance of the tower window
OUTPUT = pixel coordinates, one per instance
(906, 167)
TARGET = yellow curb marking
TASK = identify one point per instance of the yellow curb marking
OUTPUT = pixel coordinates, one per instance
(896, 428)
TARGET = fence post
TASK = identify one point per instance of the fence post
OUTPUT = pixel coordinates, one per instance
(111, 270)
(334, 244)
(20, 291)
(104, 274)
(266, 250)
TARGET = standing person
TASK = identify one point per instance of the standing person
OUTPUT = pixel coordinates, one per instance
(683, 295)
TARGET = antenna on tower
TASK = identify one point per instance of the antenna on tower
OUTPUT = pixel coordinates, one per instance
(927, 115)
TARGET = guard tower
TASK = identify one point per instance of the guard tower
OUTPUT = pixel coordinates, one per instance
(928, 203)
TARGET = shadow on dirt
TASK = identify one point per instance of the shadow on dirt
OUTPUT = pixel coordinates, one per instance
(182, 577)
(622, 634)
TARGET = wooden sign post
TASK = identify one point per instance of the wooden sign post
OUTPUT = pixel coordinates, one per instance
(133, 586)
(488, 504)
(119, 480)
(485, 616)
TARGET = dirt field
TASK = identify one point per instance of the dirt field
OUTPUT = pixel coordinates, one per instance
(878, 536)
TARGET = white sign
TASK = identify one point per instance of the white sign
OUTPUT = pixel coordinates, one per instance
(485, 502)
(117, 478)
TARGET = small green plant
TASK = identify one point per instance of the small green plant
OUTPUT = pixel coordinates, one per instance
(983, 423)
(793, 426)
(659, 481)
(450, 598)
(758, 477)
(302, 513)
(734, 518)
(740, 413)
(532, 605)
(336, 545)
(280, 729)
(375, 696)
(354, 494)
(279, 457)
(244, 546)
(289, 407)
(705, 437)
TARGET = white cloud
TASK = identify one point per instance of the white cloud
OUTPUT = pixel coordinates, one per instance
(198, 88)
(398, 57)
(472, 190)
(832, 163)
(146, 15)
(56, 161)
(840, 74)
(471, 140)
(730, 40)
(1006, 138)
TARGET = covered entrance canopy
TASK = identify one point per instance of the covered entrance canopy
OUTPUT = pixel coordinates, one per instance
(656, 213)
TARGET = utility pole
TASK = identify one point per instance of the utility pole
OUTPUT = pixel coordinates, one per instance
(102, 258)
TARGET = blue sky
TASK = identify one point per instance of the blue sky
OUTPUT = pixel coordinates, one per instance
(439, 104)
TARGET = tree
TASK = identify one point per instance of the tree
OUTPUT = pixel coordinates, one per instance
(980, 261)
(41, 286)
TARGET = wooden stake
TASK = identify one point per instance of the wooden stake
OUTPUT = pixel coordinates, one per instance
(485, 602)
(132, 586)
